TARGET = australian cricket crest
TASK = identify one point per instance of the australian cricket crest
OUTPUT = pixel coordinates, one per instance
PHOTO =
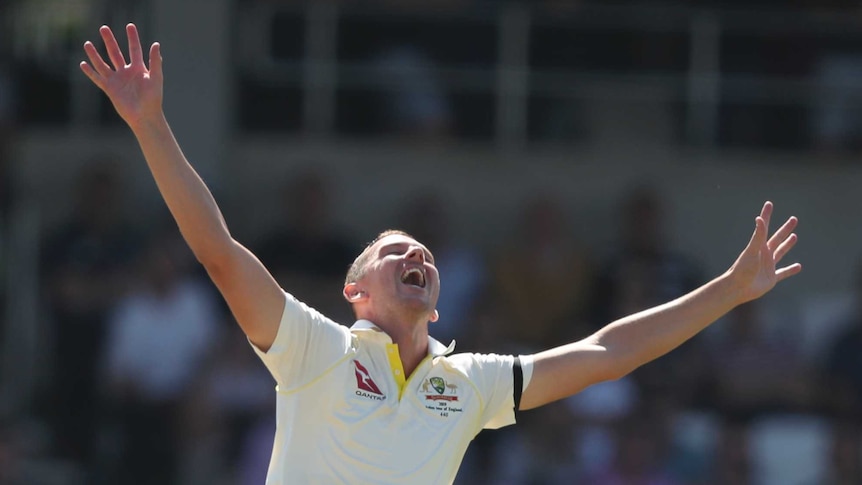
(437, 389)
(438, 384)
(440, 396)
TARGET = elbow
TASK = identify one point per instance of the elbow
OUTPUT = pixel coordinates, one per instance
(617, 371)
(215, 254)
(621, 356)
(619, 362)
(212, 246)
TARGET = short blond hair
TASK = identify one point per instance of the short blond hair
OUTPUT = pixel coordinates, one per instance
(360, 264)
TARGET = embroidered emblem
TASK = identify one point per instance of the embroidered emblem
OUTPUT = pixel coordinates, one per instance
(441, 397)
(439, 384)
(442, 387)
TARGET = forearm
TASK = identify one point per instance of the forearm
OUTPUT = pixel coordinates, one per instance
(630, 342)
(642, 337)
(189, 200)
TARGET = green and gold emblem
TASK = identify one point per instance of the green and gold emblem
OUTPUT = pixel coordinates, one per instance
(438, 384)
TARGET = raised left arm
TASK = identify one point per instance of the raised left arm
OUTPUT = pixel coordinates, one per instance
(626, 344)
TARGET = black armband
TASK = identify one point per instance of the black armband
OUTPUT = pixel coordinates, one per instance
(518, 384)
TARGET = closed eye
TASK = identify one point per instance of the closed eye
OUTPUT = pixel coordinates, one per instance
(398, 250)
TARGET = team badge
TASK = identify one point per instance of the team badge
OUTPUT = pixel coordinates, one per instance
(446, 391)
(441, 397)
(438, 384)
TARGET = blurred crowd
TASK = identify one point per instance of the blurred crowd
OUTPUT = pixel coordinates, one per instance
(146, 375)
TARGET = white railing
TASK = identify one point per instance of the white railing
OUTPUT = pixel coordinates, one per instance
(700, 85)
(511, 80)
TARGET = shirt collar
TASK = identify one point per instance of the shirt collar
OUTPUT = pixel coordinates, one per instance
(435, 347)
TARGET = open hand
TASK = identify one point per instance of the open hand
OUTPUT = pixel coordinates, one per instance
(135, 89)
(756, 269)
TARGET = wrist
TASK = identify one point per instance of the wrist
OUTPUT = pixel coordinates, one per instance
(732, 286)
(148, 124)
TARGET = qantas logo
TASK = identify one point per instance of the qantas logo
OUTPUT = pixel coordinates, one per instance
(367, 386)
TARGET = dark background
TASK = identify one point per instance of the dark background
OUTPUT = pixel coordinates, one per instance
(567, 162)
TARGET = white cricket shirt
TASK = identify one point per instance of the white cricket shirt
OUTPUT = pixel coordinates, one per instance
(346, 414)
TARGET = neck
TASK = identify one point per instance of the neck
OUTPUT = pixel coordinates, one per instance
(412, 341)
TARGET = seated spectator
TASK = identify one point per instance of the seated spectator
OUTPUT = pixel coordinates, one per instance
(542, 278)
(536, 300)
(86, 263)
(426, 217)
(845, 454)
(755, 372)
(641, 446)
(307, 252)
(596, 412)
(841, 377)
(159, 336)
(642, 272)
(732, 461)
(237, 389)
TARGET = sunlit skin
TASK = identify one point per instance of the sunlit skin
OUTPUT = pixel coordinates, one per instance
(402, 310)
(624, 345)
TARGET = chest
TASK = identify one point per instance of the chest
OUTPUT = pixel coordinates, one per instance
(373, 394)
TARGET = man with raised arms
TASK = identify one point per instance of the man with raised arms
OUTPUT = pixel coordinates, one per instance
(382, 402)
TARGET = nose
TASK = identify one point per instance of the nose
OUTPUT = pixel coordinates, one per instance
(416, 254)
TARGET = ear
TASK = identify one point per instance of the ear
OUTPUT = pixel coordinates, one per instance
(352, 293)
(435, 316)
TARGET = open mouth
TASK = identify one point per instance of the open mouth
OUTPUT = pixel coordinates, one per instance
(413, 277)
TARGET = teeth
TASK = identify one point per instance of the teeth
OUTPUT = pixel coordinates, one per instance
(420, 275)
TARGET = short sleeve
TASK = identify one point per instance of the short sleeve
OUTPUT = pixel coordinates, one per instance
(306, 346)
(493, 376)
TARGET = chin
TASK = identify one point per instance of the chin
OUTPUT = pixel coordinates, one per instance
(417, 307)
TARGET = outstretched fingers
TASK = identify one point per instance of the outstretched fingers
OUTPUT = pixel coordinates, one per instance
(784, 247)
(113, 49)
(96, 62)
(98, 70)
(136, 55)
(766, 252)
(782, 233)
(766, 213)
(156, 60)
(787, 271)
(758, 238)
(91, 73)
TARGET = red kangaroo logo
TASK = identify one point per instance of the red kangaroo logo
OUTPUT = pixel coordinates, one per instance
(364, 380)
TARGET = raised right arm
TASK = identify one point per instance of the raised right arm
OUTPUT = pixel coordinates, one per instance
(135, 89)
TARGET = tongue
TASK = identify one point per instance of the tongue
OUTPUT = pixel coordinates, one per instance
(413, 279)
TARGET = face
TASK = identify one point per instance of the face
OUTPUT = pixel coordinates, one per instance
(400, 278)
